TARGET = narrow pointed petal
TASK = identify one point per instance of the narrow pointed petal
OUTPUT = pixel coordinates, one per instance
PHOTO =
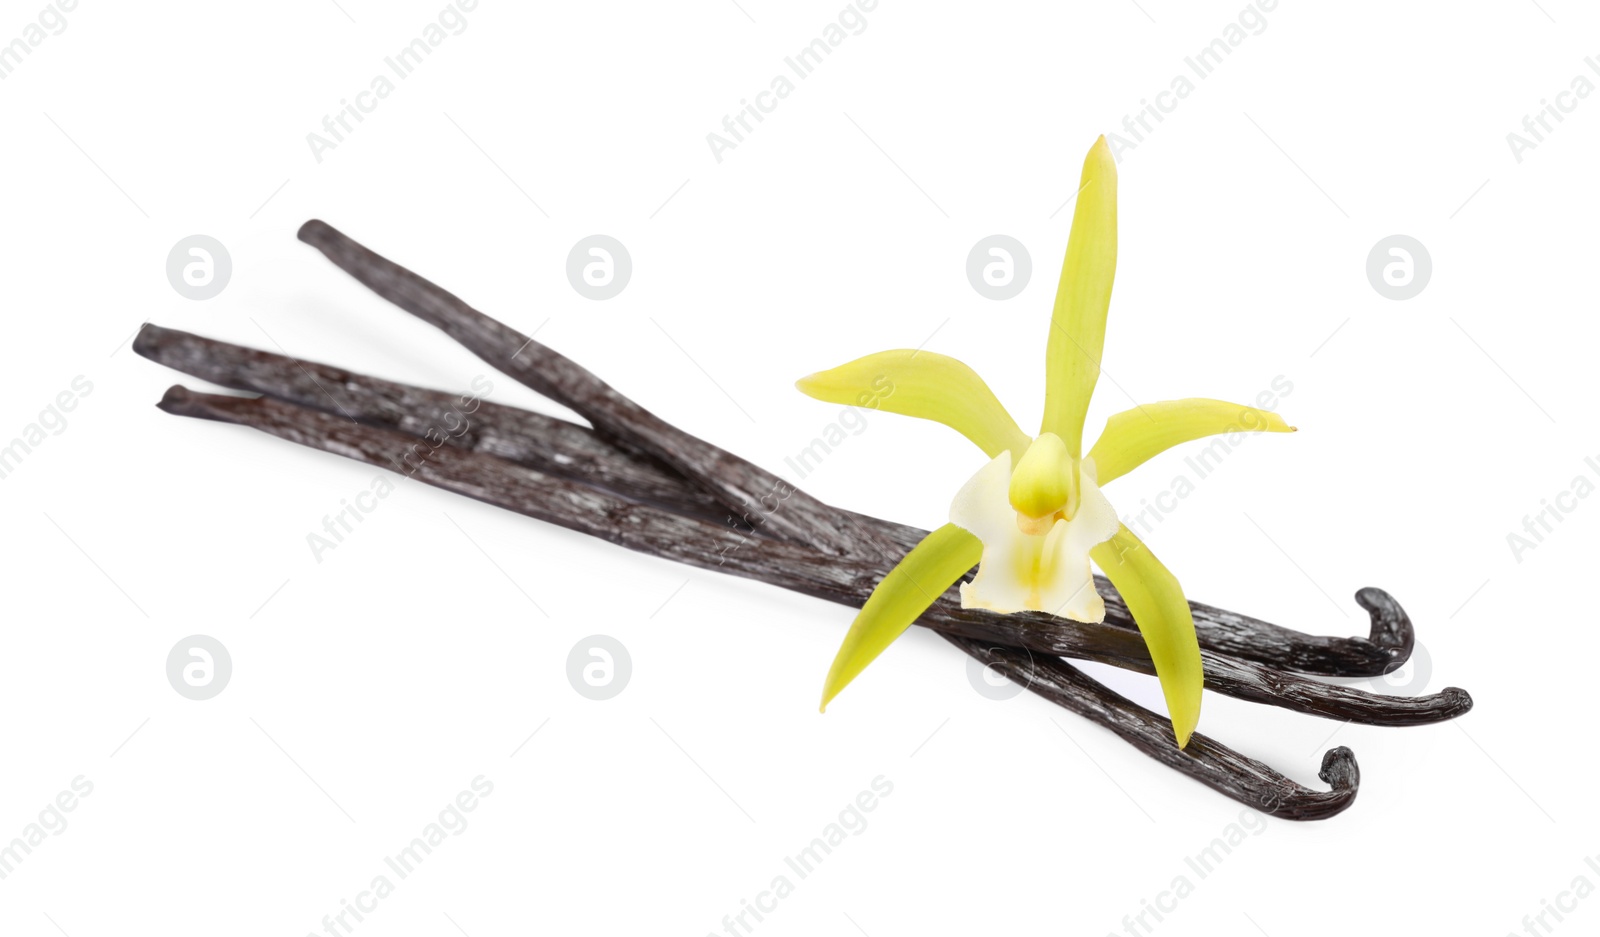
(1162, 614)
(1134, 436)
(926, 385)
(1078, 325)
(926, 572)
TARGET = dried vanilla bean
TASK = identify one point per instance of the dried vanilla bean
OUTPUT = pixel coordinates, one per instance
(639, 482)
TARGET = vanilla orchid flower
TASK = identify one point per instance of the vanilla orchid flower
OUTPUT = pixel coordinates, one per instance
(1034, 517)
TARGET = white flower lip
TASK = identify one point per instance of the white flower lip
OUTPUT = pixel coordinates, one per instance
(1046, 572)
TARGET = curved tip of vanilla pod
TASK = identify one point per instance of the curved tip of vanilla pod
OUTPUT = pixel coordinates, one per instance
(1456, 701)
(1392, 631)
(1286, 800)
(1339, 770)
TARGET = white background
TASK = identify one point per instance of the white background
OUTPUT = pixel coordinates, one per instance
(369, 688)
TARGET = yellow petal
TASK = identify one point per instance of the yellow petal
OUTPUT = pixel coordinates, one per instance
(1135, 436)
(1162, 614)
(926, 385)
(926, 572)
(1078, 325)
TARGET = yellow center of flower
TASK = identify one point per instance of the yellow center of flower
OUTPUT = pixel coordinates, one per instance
(1035, 556)
(1044, 487)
